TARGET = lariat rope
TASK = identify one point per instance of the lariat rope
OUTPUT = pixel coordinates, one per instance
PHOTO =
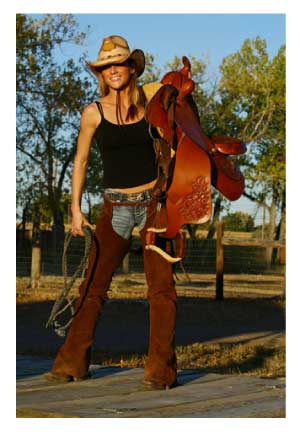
(63, 302)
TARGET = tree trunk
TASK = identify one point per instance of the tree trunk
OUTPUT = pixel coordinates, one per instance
(281, 228)
(192, 229)
(216, 217)
(219, 262)
(90, 207)
(22, 234)
(58, 229)
(271, 231)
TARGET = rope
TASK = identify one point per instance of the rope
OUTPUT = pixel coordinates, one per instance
(63, 302)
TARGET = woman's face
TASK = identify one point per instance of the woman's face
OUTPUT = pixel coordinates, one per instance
(117, 76)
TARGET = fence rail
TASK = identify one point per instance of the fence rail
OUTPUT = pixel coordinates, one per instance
(223, 255)
(252, 243)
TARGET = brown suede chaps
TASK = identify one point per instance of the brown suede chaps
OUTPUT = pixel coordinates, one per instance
(107, 253)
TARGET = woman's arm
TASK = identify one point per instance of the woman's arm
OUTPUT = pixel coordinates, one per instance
(88, 123)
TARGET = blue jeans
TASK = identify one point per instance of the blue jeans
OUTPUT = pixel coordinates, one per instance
(125, 217)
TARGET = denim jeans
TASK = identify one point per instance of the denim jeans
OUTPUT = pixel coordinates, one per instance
(125, 217)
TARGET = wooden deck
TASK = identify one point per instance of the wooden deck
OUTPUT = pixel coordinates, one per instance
(115, 392)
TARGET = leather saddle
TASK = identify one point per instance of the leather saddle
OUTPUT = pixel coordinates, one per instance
(190, 161)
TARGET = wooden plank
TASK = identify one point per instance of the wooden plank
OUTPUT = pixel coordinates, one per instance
(253, 242)
(118, 392)
(230, 397)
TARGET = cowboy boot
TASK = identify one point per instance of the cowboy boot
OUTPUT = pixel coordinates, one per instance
(161, 367)
(107, 253)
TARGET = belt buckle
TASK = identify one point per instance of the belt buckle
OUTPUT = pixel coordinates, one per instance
(133, 197)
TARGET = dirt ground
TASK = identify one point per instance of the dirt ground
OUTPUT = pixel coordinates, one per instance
(252, 312)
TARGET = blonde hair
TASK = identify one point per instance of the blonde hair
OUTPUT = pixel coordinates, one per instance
(136, 95)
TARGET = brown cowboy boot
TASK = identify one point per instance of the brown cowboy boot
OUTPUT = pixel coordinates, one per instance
(161, 366)
(73, 358)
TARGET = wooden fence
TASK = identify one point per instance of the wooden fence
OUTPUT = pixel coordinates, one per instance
(221, 241)
(225, 241)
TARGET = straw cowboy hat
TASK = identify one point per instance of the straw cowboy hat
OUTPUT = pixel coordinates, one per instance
(115, 50)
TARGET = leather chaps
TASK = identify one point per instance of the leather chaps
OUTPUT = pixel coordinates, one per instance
(107, 253)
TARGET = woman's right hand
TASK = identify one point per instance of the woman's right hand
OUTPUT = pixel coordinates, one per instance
(78, 221)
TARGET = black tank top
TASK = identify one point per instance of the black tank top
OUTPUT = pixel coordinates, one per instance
(127, 153)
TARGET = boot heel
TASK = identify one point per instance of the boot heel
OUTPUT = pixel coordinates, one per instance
(154, 385)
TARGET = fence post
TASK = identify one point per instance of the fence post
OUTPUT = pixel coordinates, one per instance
(36, 250)
(219, 261)
(125, 264)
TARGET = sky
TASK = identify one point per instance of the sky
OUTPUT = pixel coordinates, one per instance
(166, 35)
(210, 37)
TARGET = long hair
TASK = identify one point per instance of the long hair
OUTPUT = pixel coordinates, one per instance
(136, 96)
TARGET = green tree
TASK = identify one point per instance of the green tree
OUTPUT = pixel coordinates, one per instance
(246, 104)
(238, 221)
(151, 73)
(50, 97)
(252, 107)
(266, 170)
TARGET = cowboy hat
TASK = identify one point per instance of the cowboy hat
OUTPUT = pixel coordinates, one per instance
(115, 50)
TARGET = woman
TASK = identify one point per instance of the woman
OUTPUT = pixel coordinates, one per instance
(122, 133)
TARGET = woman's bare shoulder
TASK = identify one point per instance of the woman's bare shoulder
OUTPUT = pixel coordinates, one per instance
(90, 109)
(91, 115)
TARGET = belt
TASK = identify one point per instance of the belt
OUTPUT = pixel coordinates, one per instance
(118, 197)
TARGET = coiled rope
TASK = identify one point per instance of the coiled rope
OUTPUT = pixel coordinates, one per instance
(63, 302)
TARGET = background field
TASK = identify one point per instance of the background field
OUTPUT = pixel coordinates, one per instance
(244, 333)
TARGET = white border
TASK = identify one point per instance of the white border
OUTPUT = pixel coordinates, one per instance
(231, 427)
(166, 6)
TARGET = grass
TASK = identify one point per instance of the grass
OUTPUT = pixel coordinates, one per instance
(132, 286)
(256, 360)
(238, 358)
(242, 302)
